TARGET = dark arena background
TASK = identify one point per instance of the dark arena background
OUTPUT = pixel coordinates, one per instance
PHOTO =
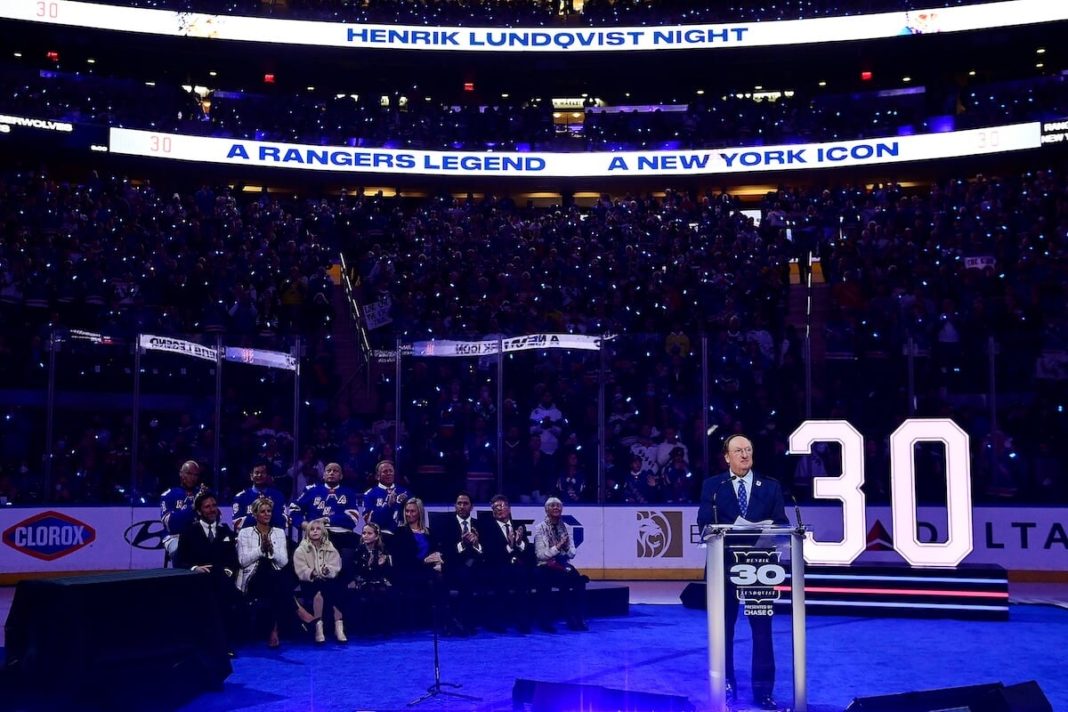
(555, 250)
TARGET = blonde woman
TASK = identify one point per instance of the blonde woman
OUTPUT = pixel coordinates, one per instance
(417, 562)
(261, 552)
(317, 563)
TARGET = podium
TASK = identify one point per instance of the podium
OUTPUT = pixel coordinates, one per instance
(750, 562)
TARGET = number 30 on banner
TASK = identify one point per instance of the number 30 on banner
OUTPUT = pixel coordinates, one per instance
(847, 489)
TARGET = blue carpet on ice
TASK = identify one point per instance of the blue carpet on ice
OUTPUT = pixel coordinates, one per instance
(656, 649)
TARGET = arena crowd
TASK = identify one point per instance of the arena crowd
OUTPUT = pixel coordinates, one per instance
(412, 119)
(945, 268)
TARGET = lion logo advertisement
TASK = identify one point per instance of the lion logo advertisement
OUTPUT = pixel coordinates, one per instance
(659, 534)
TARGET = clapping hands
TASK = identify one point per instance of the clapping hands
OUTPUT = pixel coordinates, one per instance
(565, 543)
(433, 560)
(470, 538)
(518, 536)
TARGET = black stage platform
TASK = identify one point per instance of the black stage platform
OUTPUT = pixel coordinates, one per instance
(129, 634)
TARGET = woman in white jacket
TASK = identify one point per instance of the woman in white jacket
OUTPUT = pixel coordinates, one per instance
(317, 563)
(262, 554)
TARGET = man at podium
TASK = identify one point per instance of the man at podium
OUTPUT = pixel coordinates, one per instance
(740, 496)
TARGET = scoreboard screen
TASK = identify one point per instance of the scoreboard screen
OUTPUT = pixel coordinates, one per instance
(33, 132)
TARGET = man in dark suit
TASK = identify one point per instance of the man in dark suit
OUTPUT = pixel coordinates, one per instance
(459, 541)
(740, 493)
(509, 567)
(208, 546)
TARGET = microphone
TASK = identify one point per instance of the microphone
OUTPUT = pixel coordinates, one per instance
(715, 509)
(797, 511)
(715, 495)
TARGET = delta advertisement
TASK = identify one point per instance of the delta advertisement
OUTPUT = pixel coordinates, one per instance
(538, 39)
(720, 161)
(633, 542)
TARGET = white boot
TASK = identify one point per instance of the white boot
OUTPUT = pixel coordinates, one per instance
(320, 637)
(339, 631)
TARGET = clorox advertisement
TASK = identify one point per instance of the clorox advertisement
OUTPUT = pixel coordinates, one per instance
(49, 535)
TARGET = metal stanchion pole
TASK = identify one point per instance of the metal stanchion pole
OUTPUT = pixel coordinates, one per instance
(217, 444)
(602, 369)
(135, 441)
(297, 348)
(705, 448)
(50, 415)
(397, 409)
(500, 414)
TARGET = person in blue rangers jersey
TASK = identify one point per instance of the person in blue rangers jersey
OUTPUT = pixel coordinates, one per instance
(261, 487)
(337, 506)
(383, 504)
(176, 505)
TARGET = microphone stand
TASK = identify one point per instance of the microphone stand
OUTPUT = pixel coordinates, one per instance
(715, 496)
(436, 689)
(797, 513)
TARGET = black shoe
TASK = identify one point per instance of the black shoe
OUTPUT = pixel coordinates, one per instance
(766, 702)
(577, 624)
(732, 694)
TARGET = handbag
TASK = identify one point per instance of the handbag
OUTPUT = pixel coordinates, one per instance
(556, 565)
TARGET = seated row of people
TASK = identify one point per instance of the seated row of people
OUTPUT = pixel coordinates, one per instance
(385, 568)
(492, 563)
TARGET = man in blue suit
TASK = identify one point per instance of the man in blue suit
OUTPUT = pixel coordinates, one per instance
(740, 492)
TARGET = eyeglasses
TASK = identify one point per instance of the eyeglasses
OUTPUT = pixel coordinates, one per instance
(742, 451)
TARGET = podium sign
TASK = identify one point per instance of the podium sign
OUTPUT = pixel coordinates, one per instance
(749, 563)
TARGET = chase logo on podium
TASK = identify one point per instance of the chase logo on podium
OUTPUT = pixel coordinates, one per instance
(755, 575)
(659, 535)
(49, 535)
